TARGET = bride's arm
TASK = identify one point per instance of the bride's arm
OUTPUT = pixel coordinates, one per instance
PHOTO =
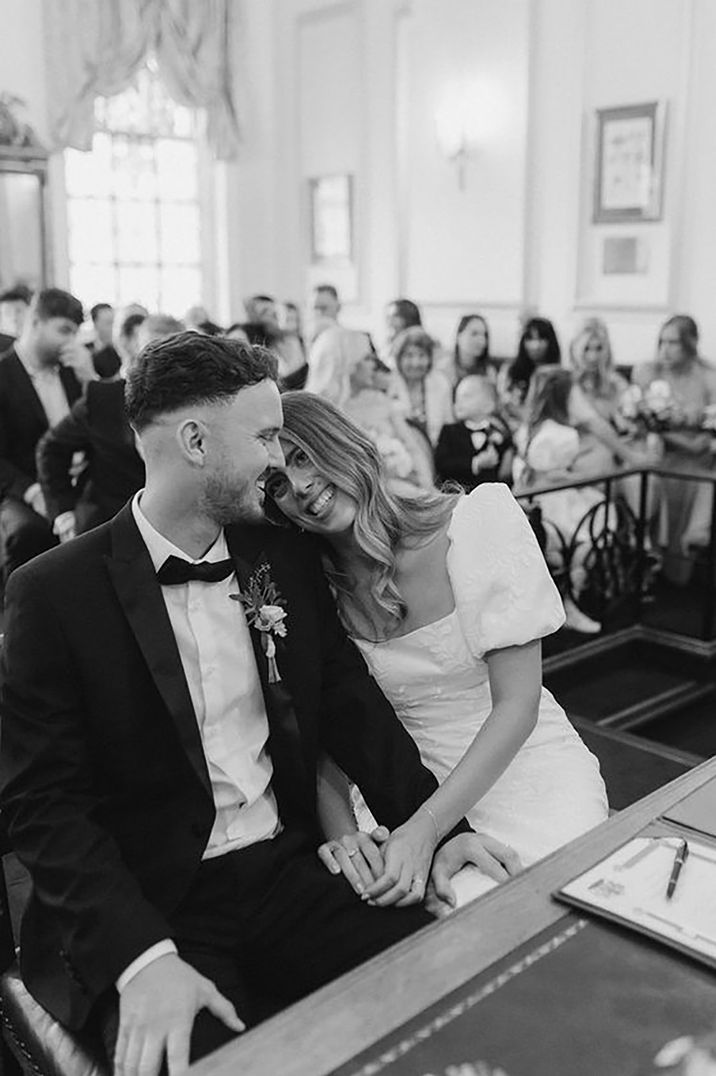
(334, 800)
(515, 685)
(345, 849)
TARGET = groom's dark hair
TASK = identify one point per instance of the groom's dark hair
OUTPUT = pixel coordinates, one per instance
(190, 368)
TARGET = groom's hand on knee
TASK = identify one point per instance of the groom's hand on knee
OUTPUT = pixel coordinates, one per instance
(492, 857)
(156, 1014)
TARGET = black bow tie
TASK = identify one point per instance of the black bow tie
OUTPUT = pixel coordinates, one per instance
(175, 570)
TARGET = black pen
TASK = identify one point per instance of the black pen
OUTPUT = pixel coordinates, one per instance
(679, 859)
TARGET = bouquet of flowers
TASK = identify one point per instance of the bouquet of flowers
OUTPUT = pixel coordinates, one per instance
(397, 460)
(653, 408)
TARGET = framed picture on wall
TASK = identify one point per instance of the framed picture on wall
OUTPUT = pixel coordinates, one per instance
(628, 180)
(331, 220)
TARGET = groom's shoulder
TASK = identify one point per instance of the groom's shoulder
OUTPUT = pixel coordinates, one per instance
(274, 541)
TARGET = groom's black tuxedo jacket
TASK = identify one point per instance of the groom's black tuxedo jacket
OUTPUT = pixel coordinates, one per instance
(104, 781)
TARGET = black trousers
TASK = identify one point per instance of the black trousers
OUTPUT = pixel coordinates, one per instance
(268, 924)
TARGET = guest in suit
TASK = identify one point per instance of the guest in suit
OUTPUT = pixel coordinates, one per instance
(14, 306)
(172, 846)
(97, 426)
(40, 378)
(105, 356)
(477, 448)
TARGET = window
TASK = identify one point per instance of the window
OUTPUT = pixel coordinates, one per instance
(133, 206)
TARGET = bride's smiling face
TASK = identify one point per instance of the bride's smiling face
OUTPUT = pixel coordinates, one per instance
(307, 496)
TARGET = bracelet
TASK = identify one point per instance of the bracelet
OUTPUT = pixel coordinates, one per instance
(424, 807)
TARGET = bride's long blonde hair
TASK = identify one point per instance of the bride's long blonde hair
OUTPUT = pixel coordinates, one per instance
(384, 520)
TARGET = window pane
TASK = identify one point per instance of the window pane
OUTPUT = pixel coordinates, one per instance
(93, 284)
(180, 234)
(133, 212)
(90, 230)
(133, 174)
(180, 289)
(138, 285)
(137, 232)
(89, 173)
(176, 170)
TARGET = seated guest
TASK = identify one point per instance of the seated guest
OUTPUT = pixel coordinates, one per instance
(424, 392)
(293, 338)
(448, 598)
(127, 338)
(104, 355)
(157, 327)
(195, 316)
(549, 450)
(595, 406)
(14, 306)
(538, 346)
(471, 354)
(689, 385)
(263, 311)
(38, 384)
(172, 849)
(97, 427)
(326, 308)
(401, 314)
(345, 373)
(478, 447)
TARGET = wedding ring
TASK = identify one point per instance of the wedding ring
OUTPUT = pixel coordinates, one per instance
(353, 852)
(417, 882)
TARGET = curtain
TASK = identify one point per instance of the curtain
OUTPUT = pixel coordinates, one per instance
(95, 47)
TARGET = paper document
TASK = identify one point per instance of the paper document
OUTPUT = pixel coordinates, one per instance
(631, 885)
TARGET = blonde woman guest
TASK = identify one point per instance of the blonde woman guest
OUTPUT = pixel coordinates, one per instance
(344, 372)
(691, 384)
(424, 392)
(448, 598)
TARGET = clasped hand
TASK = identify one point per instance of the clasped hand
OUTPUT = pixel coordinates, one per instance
(399, 869)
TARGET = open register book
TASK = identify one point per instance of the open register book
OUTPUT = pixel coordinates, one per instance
(629, 886)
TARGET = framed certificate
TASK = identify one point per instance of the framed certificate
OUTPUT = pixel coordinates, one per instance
(628, 178)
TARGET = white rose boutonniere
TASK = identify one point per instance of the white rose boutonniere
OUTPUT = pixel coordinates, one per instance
(264, 609)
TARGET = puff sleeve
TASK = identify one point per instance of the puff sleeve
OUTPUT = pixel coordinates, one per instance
(504, 594)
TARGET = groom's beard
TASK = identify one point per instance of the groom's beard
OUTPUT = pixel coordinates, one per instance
(227, 500)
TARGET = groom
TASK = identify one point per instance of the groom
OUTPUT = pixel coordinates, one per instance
(161, 728)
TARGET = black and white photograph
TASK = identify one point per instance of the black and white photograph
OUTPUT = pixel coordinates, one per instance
(357, 537)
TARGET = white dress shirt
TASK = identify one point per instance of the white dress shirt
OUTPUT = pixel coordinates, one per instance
(48, 386)
(220, 668)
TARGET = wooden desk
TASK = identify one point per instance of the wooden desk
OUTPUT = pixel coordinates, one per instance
(326, 1029)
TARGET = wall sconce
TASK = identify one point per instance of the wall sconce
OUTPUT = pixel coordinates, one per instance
(456, 120)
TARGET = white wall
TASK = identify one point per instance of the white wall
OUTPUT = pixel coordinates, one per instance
(353, 85)
(356, 87)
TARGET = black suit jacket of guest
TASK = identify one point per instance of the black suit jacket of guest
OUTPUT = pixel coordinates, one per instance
(23, 422)
(104, 781)
(97, 426)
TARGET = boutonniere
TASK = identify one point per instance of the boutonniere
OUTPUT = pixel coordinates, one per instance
(264, 609)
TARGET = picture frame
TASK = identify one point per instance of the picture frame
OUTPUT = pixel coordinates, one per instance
(331, 220)
(629, 163)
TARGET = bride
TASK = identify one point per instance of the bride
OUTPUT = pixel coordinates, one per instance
(447, 598)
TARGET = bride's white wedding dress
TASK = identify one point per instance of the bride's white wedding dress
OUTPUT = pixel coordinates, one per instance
(436, 678)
